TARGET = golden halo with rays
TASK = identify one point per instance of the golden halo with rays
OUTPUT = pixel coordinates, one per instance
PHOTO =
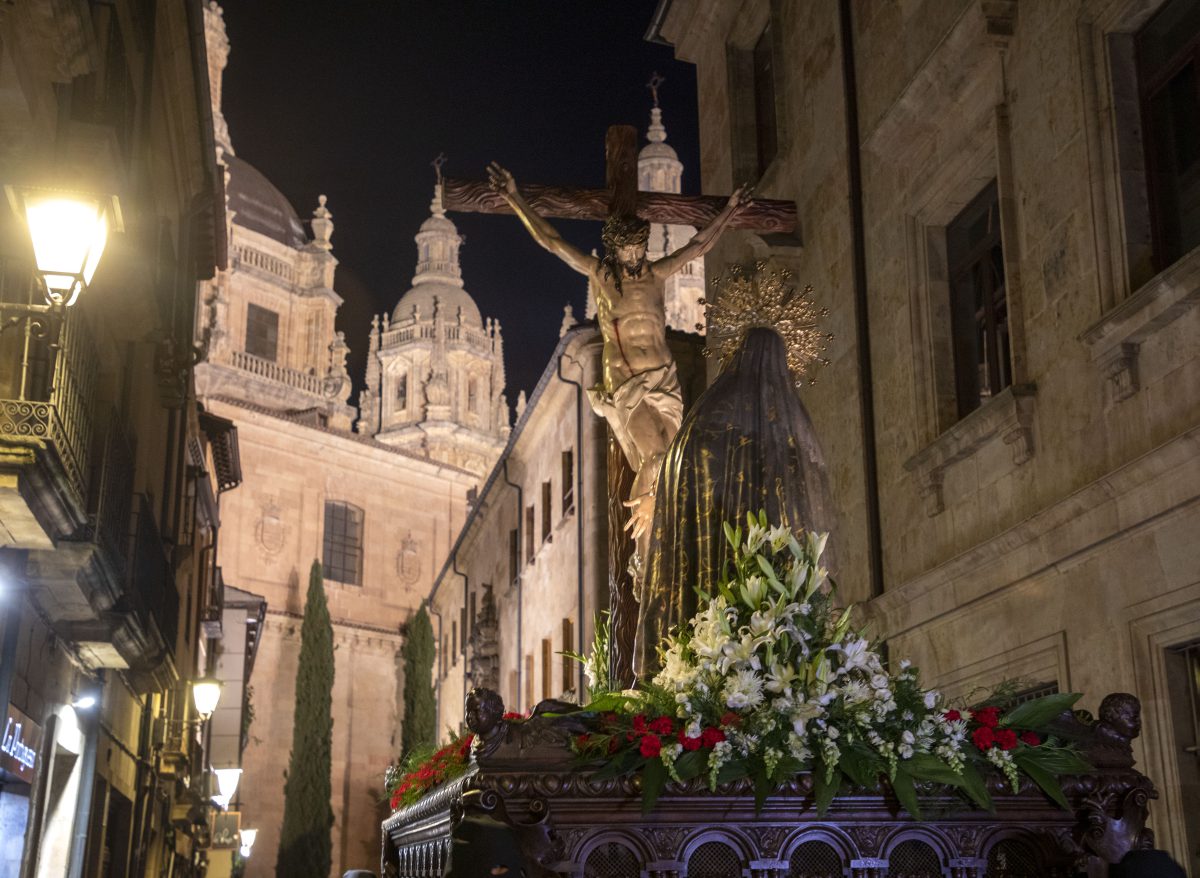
(750, 297)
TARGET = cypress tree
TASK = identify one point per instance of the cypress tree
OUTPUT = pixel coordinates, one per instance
(305, 842)
(420, 710)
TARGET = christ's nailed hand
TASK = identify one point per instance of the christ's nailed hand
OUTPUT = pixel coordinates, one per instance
(501, 180)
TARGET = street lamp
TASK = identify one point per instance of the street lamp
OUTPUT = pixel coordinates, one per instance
(68, 230)
(206, 692)
(227, 782)
(248, 836)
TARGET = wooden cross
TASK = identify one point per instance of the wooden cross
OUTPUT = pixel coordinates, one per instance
(621, 197)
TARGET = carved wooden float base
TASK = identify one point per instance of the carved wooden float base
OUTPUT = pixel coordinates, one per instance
(568, 824)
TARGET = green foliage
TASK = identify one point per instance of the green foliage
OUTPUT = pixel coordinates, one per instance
(305, 843)
(596, 665)
(420, 708)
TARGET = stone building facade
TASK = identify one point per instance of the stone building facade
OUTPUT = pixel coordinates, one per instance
(1012, 411)
(377, 494)
(111, 475)
(519, 549)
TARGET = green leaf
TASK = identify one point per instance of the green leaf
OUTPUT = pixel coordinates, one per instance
(1036, 713)
(691, 764)
(906, 793)
(654, 778)
(975, 788)
(1056, 760)
(763, 787)
(824, 790)
(623, 764)
(926, 766)
(860, 766)
(733, 770)
(609, 702)
(729, 534)
(1044, 779)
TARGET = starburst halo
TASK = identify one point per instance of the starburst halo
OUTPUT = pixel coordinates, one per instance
(746, 298)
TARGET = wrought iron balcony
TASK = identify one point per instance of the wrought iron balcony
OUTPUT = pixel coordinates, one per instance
(48, 369)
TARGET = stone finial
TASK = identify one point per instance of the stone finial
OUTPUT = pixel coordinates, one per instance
(435, 206)
(521, 404)
(568, 320)
(322, 225)
(657, 132)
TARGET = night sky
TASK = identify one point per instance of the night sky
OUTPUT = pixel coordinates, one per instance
(353, 99)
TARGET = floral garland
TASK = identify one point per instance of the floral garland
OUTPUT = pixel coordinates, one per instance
(769, 680)
(426, 768)
(423, 771)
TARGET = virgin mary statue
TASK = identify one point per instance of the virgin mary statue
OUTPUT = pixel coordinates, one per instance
(747, 444)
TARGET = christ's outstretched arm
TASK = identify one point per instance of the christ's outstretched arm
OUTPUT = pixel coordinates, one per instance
(704, 239)
(544, 233)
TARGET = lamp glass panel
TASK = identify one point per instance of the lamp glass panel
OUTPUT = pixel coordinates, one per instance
(227, 781)
(206, 693)
(64, 231)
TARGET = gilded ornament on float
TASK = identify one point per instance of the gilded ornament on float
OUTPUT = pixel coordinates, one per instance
(746, 298)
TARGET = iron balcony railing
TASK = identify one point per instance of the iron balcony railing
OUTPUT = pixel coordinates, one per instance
(48, 369)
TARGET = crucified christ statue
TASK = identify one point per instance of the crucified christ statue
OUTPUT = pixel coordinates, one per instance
(640, 398)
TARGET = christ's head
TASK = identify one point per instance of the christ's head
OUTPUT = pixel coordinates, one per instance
(625, 239)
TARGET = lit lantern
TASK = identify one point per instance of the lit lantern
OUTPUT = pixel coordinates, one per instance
(227, 781)
(206, 693)
(69, 231)
(248, 836)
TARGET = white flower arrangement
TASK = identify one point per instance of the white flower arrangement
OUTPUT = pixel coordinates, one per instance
(769, 680)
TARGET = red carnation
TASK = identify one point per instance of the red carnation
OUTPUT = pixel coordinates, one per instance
(1031, 738)
(1006, 739)
(710, 737)
(688, 742)
(613, 744)
(951, 716)
(581, 741)
(512, 714)
(651, 746)
(983, 737)
(729, 718)
(988, 716)
(662, 725)
(639, 723)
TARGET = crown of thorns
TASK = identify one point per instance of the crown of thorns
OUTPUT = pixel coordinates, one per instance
(625, 231)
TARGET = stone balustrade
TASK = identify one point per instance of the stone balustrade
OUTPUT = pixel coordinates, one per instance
(272, 371)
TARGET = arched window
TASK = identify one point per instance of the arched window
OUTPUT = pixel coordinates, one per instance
(402, 392)
(472, 395)
(343, 543)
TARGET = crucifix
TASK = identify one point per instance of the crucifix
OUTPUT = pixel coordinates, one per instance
(640, 398)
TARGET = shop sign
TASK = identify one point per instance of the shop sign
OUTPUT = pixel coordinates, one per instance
(19, 745)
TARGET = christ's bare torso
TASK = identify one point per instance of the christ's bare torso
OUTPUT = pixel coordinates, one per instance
(633, 324)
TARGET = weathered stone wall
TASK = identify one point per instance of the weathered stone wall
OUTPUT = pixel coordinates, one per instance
(549, 583)
(1049, 535)
(273, 527)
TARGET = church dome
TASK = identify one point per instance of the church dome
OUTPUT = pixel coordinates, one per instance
(438, 275)
(448, 296)
(261, 207)
(659, 168)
